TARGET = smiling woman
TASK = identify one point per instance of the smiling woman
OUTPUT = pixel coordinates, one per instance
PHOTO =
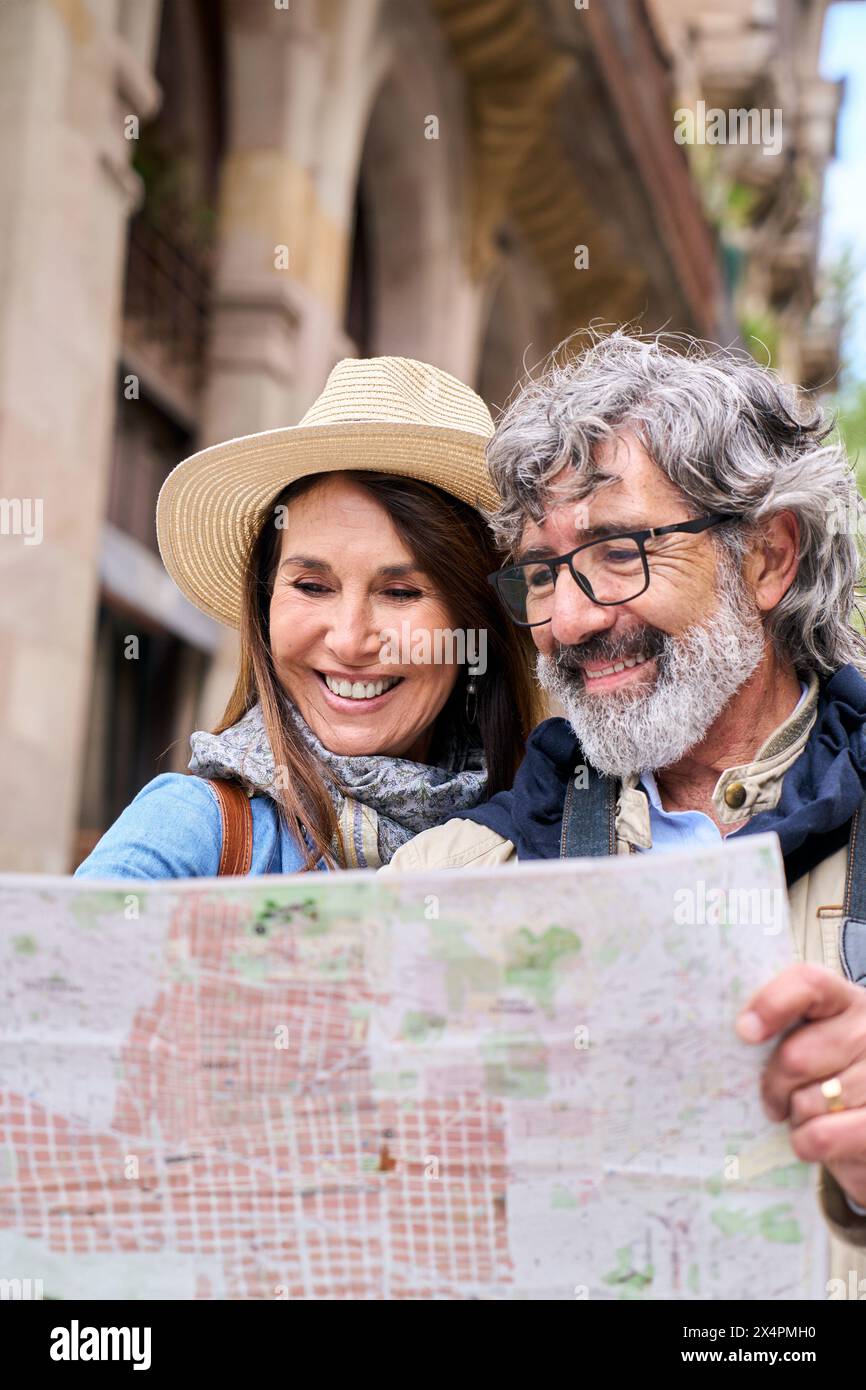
(329, 611)
(319, 542)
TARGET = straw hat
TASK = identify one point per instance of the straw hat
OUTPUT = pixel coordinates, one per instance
(385, 414)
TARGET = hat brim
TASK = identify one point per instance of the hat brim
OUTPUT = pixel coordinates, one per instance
(211, 505)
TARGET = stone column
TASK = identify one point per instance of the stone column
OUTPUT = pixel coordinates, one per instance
(69, 79)
(296, 90)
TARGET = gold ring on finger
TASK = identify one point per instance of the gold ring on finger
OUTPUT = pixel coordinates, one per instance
(832, 1092)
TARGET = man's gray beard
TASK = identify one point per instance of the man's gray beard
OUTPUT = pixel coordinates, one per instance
(626, 733)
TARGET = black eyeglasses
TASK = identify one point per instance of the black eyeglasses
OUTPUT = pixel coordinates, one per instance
(614, 570)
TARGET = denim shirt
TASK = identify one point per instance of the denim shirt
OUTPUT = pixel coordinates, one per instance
(172, 829)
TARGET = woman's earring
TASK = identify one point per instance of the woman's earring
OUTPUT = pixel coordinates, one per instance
(471, 700)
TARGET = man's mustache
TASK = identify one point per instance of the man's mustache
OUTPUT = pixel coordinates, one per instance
(647, 642)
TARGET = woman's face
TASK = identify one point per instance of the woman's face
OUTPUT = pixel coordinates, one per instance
(343, 579)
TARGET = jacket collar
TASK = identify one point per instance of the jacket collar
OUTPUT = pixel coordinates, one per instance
(751, 787)
(805, 783)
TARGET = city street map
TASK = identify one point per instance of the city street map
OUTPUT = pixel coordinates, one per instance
(518, 1083)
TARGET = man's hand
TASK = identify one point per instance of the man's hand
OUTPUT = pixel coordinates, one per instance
(830, 1042)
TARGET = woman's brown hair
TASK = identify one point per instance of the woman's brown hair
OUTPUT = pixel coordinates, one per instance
(451, 543)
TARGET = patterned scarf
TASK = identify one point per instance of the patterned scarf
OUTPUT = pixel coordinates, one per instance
(389, 799)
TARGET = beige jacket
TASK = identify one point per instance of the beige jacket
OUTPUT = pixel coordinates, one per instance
(815, 901)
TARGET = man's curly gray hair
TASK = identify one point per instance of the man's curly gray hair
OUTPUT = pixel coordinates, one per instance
(728, 433)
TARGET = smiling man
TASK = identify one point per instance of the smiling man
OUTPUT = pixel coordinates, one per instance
(672, 520)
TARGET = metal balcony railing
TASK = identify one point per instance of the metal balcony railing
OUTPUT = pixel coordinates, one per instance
(168, 298)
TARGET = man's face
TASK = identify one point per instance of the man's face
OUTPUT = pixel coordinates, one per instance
(642, 682)
(682, 590)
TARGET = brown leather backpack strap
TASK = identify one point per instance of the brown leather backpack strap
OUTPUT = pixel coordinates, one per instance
(236, 816)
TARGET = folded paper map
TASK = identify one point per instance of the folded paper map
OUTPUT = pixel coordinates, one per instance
(509, 1084)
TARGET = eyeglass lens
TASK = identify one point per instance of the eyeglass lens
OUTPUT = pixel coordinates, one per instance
(611, 571)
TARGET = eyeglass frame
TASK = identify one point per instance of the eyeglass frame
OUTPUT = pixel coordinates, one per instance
(695, 527)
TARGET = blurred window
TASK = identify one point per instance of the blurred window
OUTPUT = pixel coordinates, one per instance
(145, 687)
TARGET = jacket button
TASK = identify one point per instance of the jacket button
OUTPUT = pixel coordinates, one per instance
(735, 795)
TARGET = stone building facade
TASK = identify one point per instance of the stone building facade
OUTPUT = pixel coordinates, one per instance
(205, 203)
(762, 56)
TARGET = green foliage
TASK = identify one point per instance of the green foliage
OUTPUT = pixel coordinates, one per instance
(840, 281)
(172, 204)
(851, 416)
(760, 334)
(740, 204)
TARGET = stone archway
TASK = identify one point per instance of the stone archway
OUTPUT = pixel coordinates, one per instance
(517, 325)
(421, 298)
